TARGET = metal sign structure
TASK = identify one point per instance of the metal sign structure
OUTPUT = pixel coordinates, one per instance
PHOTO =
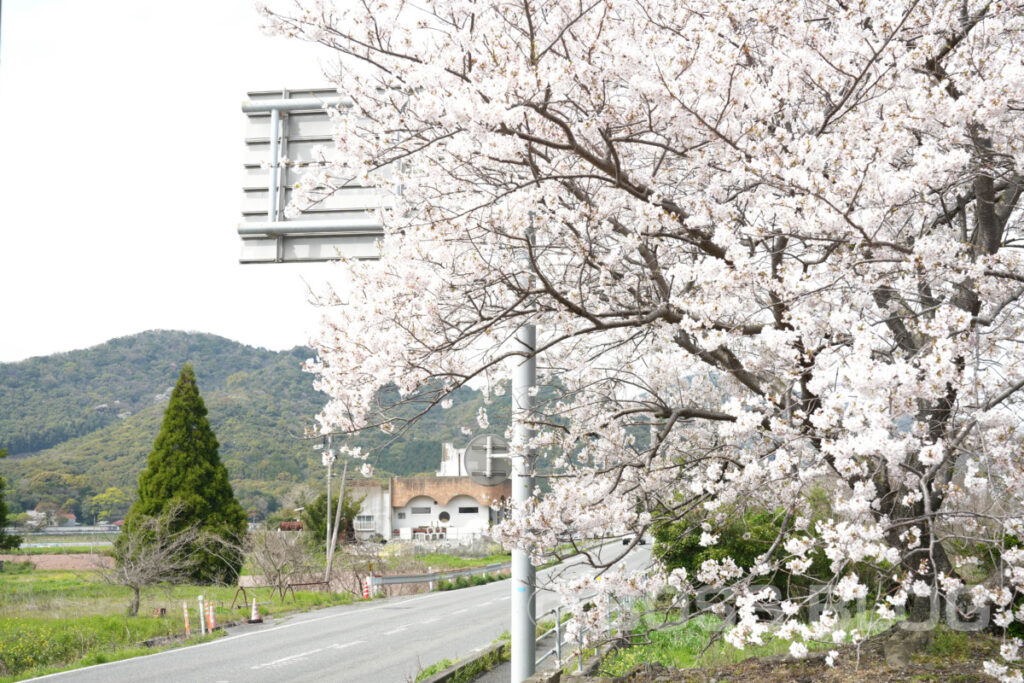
(487, 459)
(292, 125)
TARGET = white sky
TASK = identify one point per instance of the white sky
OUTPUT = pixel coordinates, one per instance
(120, 173)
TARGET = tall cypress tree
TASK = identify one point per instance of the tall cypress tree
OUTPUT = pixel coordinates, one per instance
(185, 468)
(7, 541)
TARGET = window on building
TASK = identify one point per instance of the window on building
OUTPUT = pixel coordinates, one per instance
(469, 510)
(444, 516)
(401, 515)
(421, 511)
(364, 523)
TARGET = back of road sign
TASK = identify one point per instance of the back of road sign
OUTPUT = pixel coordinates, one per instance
(486, 447)
(341, 224)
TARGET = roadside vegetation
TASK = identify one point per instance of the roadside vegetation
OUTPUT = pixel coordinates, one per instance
(53, 620)
(687, 645)
(440, 561)
(99, 549)
(472, 669)
(467, 581)
(944, 656)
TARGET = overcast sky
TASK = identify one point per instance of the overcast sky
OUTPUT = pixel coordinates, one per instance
(121, 147)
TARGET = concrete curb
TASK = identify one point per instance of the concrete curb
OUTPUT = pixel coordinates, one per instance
(545, 677)
(493, 651)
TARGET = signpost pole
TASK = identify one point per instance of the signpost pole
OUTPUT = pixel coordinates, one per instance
(524, 596)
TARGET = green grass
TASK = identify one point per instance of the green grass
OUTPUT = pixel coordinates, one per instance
(77, 539)
(949, 645)
(52, 620)
(467, 581)
(63, 550)
(434, 668)
(440, 562)
(472, 670)
(682, 647)
(29, 643)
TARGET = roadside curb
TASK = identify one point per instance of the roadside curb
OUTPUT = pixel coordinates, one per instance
(494, 653)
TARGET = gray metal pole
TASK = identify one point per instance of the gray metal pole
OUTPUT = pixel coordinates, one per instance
(524, 577)
(275, 127)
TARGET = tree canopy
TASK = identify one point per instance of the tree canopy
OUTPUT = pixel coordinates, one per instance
(184, 472)
(781, 238)
(314, 517)
(7, 541)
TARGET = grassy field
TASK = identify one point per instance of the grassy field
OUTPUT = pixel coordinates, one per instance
(62, 550)
(441, 562)
(52, 620)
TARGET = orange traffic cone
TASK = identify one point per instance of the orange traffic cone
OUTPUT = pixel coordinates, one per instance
(255, 618)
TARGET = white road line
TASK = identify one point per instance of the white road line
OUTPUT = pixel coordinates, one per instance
(397, 630)
(459, 611)
(507, 597)
(284, 660)
(288, 658)
(431, 620)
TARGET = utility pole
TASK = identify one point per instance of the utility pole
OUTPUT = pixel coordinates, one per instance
(524, 575)
(328, 460)
(337, 524)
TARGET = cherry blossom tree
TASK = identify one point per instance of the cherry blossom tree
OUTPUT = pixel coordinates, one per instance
(770, 248)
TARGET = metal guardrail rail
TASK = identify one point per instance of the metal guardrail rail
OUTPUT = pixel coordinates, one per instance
(437, 576)
(622, 611)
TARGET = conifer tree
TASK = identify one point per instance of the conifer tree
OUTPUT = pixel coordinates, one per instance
(184, 469)
(7, 541)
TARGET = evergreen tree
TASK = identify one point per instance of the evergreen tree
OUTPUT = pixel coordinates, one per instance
(314, 517)
(185, 470)
(7, 541)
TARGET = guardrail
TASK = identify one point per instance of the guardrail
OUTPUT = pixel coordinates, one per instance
(624, 608)
(437, 576)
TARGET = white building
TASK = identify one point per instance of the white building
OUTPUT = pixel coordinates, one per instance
(449, 505)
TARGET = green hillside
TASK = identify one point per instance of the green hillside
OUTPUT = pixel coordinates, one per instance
(78, 423)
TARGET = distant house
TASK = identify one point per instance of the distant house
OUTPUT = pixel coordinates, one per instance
(290, 526)
(448, 505)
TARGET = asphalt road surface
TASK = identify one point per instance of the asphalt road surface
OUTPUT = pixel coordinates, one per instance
(384, 640)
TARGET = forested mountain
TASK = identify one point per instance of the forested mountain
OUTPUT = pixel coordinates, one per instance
(80, 423)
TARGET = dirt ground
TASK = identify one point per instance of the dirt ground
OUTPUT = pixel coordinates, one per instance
(888, 657)
(76, 561)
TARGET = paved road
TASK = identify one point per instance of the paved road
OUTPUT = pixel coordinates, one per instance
(384, 640)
